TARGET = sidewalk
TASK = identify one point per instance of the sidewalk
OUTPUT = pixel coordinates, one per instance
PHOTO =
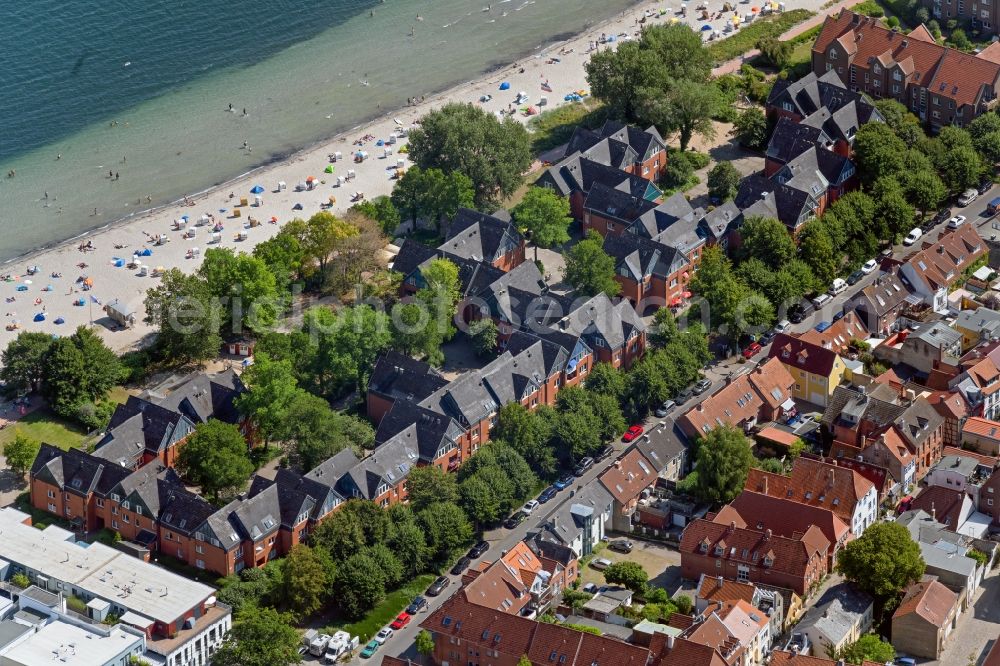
(734, 65)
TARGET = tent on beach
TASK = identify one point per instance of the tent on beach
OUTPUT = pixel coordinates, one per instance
(505, 86)
(59, 320)
(256, 189)
(40, 316)
(145, 252)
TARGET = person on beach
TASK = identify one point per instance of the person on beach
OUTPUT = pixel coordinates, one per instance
(230, 107)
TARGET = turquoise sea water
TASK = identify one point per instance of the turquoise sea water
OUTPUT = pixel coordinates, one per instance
(142, 89)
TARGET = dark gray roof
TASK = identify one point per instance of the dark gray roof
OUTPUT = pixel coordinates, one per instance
(578, 174)
(838, 612)
(665, 216)
(140, 425)
(552, 550)
(180, 509)
(260, 515)
(77, 471)
(615, 204)
(643, 257)
(790, 205)
(877, 405)
(398, 376)
(886, 293)
(918, 421)
(388, 464)
(203, 397)
(598, 317)
(10, 631)
(660, 444)
(481, 237)
(428, 430)
(789, 139)
(514, 296)
(721, 220)
(331, 470)
(411, 255)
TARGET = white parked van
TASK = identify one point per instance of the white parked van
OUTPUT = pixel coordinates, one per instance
(837, 287)
(913, 236)
(821, 300)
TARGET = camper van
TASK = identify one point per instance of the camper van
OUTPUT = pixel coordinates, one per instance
(837, 287)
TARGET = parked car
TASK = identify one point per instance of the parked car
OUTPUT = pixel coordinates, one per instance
(956, 222)
(822, 326)
(600, 563)
(683, 396)
(547, 494)
(665, 408)
(605, 452)
(514, 520)
(943, 214)
(437, 587)
(840, 315)
(782, 326)
(590, 588)
(913, 236)
(798, 312)
(463, 563)
(702, 385)
(478, 550)
(622, 546)
(837, 287)
(751, 350)
(564, 481)
(582, 466)
(855, 277)
(416, 605)
(821, 300)
(869, 266)
(632, 433)
(383, 635)
(370, 649)
(968, 197)
(401, 621)
(766, 337)
(529, 506)
(985, 186)
(994, 206)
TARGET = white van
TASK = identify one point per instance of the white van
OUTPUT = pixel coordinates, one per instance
(821, 300)
(837, 287)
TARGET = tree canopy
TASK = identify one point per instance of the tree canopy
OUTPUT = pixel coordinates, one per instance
(723, 461)
(432, 195)
(868, 648)
(20, 453)
(590, 269)
(545, 216)
(493, 154)
(215, 458)
(883, 560)
(260, 636)
(629, 574)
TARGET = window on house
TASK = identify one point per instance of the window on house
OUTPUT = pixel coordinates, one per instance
(52, 494)
(832, 54)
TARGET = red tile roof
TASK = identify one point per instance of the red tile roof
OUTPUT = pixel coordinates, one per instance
(514, 636)
(689, 653)
(940, 263)
(505, 584)
(944, 71)
(717, 588)
(629, 476)
(789, 556)
(943, 504)
(767, 386)
(930, 600)
(782, 658)
(804, 355)
(838, 337)
(787, 518)
(949, 405)
(981, 427)
(816, 483)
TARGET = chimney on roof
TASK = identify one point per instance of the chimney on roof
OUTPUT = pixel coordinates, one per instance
(767, 534)
(933, 512)
(764, 488)
(718, 581)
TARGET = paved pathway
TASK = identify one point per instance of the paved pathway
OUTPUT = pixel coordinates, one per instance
(734, 65)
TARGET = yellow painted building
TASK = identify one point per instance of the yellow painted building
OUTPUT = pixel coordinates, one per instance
(817, 371)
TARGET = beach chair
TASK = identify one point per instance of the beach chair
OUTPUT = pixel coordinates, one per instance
(243, 201)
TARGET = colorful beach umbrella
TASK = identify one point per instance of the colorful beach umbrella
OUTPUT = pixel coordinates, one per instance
(256, 189)
(328, 169)
(505, 86)
(60, 320)
(706, 27)
(40, 316)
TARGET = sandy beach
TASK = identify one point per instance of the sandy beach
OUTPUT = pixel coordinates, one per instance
(559, 67)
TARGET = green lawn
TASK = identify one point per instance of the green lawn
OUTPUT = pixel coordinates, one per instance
(748, 36)
(385, 612)
(554, 127)
(45, 426)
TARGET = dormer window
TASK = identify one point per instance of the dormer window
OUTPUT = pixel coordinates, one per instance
(719, 550)
(832, 55)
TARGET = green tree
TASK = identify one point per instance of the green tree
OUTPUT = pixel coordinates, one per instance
(319, 237)
(387, 561)
(723, 181)
(308, 576)
(985, 133)
(429, 485)
(960, 168)
(686, 108)
(487, 495)
(767, 239)
(606, 379)
(80, 369)
(528, 432)
(259, 637)
(215, 458)
(342, 534)
(590, 269)
(545, 216)
(723, 461)
(186, 316)
(245, 288)
(679, 50)
(23, 362)
(483, 334)
(868, 648)
(878, 152)
(424, 643)
(577, 429)
(314, 432)
(924, 189)
(751, 129)
(818, 251)
(959, 40)
(664, 329)
(408, 543)
(272, 389)
(282, 254)
(614, 77)
(629, 574)
(20, 453)
(883, 560)
(446, 528)
(892, 207)
(899, 119)
(647, 384)
(360, 585)
(338, 350)
(775, 51)
(432, 194)
(382, 210)
(493, 154)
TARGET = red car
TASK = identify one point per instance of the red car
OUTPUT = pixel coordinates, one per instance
(752, 350)
(401, 621)
(632, 433)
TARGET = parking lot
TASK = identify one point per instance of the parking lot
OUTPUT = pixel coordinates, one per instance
(662, 563)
